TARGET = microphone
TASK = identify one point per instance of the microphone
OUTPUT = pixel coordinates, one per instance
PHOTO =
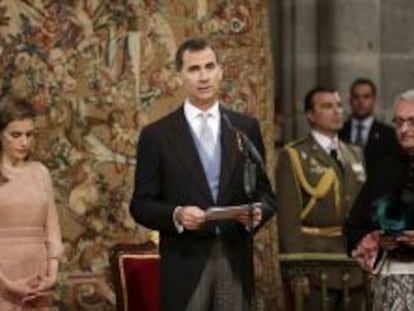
(249, 171)
(253, 159)
(246, 146)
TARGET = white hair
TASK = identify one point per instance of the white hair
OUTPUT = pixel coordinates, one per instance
(406, 96)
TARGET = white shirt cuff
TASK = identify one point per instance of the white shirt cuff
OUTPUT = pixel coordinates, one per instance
(178, 226)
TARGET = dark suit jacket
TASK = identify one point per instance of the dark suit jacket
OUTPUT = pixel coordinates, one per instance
(387, 180)
(381, 142)
(169, 173)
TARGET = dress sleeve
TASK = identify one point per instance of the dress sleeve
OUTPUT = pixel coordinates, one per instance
(52, 227)
(367, 251)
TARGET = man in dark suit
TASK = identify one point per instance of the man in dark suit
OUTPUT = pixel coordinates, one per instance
(363, 129)
(188, 161)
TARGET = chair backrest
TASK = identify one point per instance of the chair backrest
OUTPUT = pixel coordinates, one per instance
(136, 273)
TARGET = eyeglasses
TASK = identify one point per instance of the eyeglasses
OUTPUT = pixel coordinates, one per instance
(399, 122)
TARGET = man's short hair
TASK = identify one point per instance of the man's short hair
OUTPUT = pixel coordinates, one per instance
(365, 81)
(308, 101)
(193, 45)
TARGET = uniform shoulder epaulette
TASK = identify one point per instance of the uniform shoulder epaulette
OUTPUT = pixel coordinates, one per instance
(296, 142)
(328, 180)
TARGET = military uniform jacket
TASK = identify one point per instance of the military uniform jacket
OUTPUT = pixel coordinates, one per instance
(315, 193)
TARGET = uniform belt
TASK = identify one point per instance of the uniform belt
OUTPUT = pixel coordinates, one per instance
(331, 231)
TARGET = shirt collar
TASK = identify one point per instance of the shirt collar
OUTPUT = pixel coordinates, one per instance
(326, 142)
(366, 123)
(191, 111)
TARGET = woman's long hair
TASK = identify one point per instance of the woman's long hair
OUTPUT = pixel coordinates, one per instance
(13, 109)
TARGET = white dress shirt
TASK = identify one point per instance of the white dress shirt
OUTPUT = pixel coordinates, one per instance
(327, 143)
(192, 115)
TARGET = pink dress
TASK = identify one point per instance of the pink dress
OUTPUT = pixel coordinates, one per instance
(29, 227)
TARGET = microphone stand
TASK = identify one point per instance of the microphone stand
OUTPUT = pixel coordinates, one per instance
(249, 185)
(250, 177)
(252, 160)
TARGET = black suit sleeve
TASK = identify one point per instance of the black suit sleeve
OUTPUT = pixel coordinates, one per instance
(145, 207)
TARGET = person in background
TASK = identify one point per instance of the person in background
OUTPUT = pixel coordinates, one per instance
(317, 180)
(188, 161)
(380, 226)
(363, 128)
(30, 237)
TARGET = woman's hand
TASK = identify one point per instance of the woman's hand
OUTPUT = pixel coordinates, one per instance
(46, 282)
(21, 288)
(407, 238)
(388, 242)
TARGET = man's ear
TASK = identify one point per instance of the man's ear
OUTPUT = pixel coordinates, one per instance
(221, 72)
(309, 117)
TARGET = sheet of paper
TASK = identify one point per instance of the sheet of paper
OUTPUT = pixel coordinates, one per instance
(228, 212)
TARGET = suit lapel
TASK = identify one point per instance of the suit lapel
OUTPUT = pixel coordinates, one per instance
(183, 143)
(229, 154)
(373, 136)
(346, 131)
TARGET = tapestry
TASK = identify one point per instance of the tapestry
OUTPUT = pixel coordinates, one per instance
(97, 71)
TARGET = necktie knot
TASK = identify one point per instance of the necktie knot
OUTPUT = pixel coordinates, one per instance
(335, 156)
(204, 116)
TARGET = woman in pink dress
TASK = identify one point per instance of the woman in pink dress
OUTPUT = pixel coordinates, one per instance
(30, 238)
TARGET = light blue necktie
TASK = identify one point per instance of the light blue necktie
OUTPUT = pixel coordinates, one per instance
(206, 135)
(210, 154)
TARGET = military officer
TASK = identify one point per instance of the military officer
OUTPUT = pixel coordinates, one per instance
(317, 180)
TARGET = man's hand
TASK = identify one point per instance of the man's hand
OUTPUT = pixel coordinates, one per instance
(245, 217)
(191, 217)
